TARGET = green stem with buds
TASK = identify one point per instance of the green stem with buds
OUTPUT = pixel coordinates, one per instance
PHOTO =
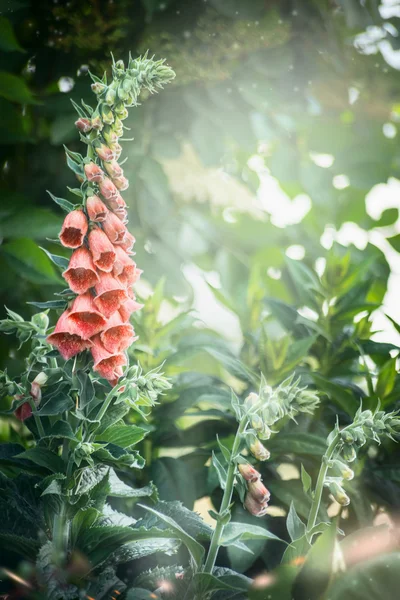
(226, 499)
(320, 486)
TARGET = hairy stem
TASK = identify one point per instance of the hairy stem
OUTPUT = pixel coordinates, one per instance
(320, 486)
(226, 499)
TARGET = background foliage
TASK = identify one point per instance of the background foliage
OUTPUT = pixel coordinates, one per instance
(289, 82)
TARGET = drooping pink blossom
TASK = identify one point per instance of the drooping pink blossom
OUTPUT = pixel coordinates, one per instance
(125, 269)
(121, 183)
(107, 364)
(129, 307)
(81, 274)
(102, 250)
(84, 125)
(86, 318)
(128, 242)
(104, 152)
(117, 335)
(74, 229)
(110, 295)
(66, 338)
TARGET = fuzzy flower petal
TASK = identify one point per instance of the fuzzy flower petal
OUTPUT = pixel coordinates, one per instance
(93, 172)
(117, 336)
(125, 269)
(66, 339)
(102, 250)
(110, 295)
(74, 229)
(87, 320)
(107, 364)
(81, 274)
(108, 189)
(127, 308)
(114, 229)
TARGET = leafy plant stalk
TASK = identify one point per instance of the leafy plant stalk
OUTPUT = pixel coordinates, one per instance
(316, 502)
(226, 499)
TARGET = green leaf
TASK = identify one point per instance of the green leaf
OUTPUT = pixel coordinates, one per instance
(44, 458)
(123, 435)
(85, 389)
(196, 550)
(244, 531)
(206, 583)
(341, 396)
(65, 204)
(8, 41)
(174, 480)
(141, 594)
(114, 414)
(394, 241)
(297, 443)
(55, 304)
(306, 480)
(55, 400)
(14, 88)
(119, 489)
(24, 546)
(388, 217)
(60, 429)
(221, 472)
(83, 519)
(25, 257)
(386, 379)
(314, 577)
(41, 223)
(60, 261)
(294, 524)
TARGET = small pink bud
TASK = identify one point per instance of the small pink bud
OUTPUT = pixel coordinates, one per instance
(84, 125)
(96, 209)
(114, 229)
(108, 189)
(36, 392)
(258, 490)
(258, 509)
(24, 411)
(113, 169)
(121, 183)
(104, 152)
(259, 451)
(93, 172)
(102, 250)
(248, 472)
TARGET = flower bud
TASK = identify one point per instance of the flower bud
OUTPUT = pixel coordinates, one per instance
(347, 437)
(109, 135)
(24, 411)
(104, 152)
(339, 494)
(106, 114)
(108, 189)
(41, 321)
(259, 451)
(251, 401)
(36, 392)
(98, 87)
(40, 379)
(121, 111)
(118, 127)
(110, 97)
(344, 470)
(265, 433)
(93, 172)
(97, 210)
(113, 169)
(97, 123)
(349, 453)
(121, 183)
(248, 472)
(119, 67)
(116, 149)
(258, 490)
(258, 509)
(84, 125)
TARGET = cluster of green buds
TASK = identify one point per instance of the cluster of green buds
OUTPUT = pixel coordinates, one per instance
(140, 389)
(271, 405)
(24, 330)
(346, 443)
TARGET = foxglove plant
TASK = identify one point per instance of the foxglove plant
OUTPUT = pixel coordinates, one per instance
(77, 385)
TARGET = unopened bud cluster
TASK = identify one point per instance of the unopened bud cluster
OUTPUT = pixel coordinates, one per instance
(141, 389)
(367, 425)
(270, 406)
(257, 496)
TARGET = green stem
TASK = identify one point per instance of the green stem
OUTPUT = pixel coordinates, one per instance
(60, 536)
(320, 486)
(226, 499)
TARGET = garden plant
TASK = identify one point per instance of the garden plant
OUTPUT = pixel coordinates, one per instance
(146, 453)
